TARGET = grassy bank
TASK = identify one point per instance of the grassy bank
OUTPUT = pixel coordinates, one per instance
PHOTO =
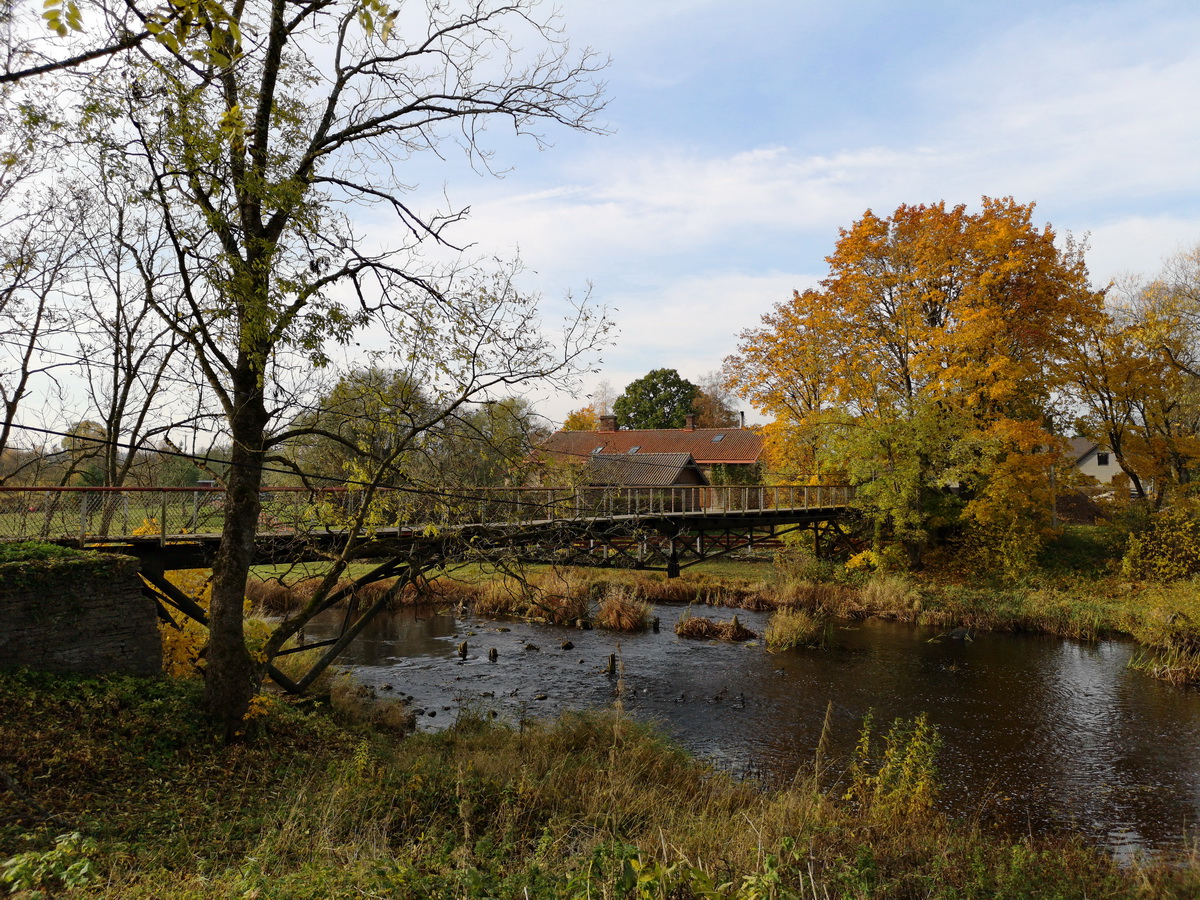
(589, 806)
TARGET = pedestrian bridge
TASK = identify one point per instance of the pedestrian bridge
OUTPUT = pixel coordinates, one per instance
(410, 532)
(660, 527)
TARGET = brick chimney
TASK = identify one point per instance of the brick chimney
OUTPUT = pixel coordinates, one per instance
(690, 422)
(608, 423)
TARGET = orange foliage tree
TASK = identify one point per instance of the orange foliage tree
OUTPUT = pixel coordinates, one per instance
(924, 368)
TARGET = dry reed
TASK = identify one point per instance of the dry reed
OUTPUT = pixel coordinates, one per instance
(621, 610)
(708, 629)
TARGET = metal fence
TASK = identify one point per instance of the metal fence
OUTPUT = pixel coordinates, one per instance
(97, 514)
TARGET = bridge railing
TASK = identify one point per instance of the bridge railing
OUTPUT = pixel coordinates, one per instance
(97, 514)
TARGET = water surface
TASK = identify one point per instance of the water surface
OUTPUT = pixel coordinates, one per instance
(1039, 734)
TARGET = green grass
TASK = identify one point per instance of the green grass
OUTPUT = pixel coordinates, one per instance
(588, 806)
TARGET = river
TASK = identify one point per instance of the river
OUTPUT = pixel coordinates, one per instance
(1039, 734)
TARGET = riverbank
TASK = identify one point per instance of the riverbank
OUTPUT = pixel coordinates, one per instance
(588, 806)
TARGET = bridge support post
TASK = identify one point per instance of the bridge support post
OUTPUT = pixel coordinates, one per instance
(673, 561)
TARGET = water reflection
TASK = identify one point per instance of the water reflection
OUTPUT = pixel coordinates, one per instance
(1038, 733)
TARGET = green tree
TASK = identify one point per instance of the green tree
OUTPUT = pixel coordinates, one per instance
(659, 399)
(357, 425)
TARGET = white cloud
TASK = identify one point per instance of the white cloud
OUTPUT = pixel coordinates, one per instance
(1086, 109)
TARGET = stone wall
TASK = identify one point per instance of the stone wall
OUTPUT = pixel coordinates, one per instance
(84, 614)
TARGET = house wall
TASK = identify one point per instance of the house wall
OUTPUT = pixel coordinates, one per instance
(1090, 465)
(83, 615)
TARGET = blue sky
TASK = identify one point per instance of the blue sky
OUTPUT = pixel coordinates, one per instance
(743, 135)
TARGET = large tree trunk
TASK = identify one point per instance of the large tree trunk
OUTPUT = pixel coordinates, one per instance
(232, 677)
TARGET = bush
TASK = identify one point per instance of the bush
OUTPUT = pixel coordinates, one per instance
(1167, 548)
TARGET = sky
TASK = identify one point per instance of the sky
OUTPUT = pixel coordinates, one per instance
(741, 136)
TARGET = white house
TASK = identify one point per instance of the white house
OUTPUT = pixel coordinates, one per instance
(1094, 459)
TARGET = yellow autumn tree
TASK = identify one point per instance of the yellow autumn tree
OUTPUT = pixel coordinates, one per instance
(583, 419)
(924, 367)
(1131, 377)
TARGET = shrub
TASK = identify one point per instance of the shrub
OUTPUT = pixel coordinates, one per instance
(1167, 548)
(900, 781)
(29, 551)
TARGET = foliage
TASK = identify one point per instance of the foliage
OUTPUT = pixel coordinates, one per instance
(1168, 548)
(925, 367)
(358, 424)
(899, 780)
(68, 865)
(727, 474)
(1130, 376)
(662, 398)
(582, 419)
(715, 405)
(183, 640)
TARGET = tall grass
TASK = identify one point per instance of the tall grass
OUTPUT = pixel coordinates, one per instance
(622, 610)
(790, 627)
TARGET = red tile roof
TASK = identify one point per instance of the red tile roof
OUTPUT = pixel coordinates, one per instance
(708, 446)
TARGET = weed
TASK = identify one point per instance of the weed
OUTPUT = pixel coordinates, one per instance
(587, 806)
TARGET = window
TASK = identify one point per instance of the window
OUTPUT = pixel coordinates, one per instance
(1102, 459)
(597, 450)
(719, 437)
(634, 449)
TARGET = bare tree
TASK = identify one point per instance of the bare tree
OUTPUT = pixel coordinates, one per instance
(38, 252)
(253, 155)
(129, 357)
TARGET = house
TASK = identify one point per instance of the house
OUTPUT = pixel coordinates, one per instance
(1090, 458)
(643, 470)
(719, 455)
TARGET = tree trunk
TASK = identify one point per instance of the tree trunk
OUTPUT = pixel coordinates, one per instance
(913, 550)
(231, 676)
